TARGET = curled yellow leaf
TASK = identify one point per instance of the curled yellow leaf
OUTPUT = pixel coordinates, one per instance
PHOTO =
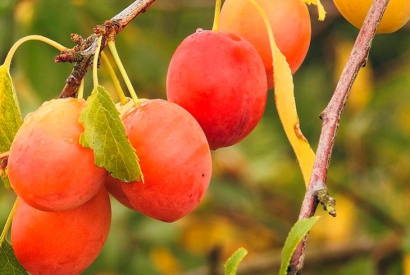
(286, 105)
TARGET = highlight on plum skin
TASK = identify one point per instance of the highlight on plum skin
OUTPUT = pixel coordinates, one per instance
(48, 168)
(175, 160)
(220, 79)
(66, 242)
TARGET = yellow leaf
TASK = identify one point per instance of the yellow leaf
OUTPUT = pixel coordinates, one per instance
(320, 8)
(200, 236)
(165, 261)
(406, 264)
(286, 105)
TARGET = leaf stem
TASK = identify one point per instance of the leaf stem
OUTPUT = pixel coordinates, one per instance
(113, 49)
(114, 78)
(95, 61)
(8, 224)
(44, 39)
(215, 26)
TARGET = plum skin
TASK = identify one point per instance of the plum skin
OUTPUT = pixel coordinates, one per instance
(291, 26)
(220, 79)
(63, 243)
(175, 160)
(48, 168)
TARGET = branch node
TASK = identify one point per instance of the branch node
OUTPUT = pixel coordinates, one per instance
(328, 202)
(321, 116)
(77, 39)
(65, 56)
(83, 52)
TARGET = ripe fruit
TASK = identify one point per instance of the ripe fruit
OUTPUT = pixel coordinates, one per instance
(396, 15)
(220, 79)
(290, 23)
(174, 157)
(47, 167)
(64, 242)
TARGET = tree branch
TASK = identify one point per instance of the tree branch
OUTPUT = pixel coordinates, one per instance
(82, 54)
(330, 122)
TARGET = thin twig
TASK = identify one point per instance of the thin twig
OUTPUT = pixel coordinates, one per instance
(127, 15)
(331, 119)
(82, 54)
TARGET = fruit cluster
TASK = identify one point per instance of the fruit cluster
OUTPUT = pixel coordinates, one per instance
(62, 199)
(217, 86)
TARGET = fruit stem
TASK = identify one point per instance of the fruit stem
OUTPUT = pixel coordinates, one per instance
(215, 26)
(113, 49)
(95, 62)
(267, 24)
(10, 54)
(8, 224)
(81, 89)
(114, 78)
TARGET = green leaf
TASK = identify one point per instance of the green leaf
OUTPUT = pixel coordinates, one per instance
(232, 263)
(10, 115)
(8, 263)
(105, 135)
(296, 234)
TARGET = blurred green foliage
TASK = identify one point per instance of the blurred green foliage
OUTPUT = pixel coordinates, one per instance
(257, 189)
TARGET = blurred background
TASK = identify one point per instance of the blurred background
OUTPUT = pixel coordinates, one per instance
(257, 188)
